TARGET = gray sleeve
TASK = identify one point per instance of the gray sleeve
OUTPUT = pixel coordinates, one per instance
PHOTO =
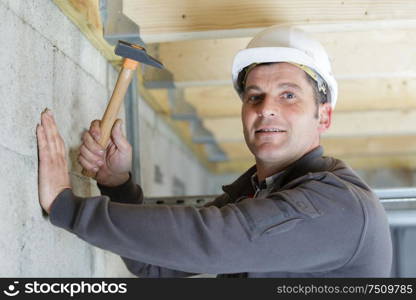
(128, 192)
(131, 193)
(313, 227)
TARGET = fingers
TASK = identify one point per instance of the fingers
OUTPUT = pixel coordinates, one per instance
(92, 159)
(48, 132)
(53, 168)
(95, 129)
(91, 153)
(47, 125)
(42, 143)
(88, 165)
(118, 137)
(91, 144)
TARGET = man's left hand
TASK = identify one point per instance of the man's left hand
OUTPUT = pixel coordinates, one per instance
(53, 169)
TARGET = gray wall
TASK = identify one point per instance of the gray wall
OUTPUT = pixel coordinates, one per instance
(46, 62)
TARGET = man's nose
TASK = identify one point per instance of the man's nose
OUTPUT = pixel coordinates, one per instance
(268, 108)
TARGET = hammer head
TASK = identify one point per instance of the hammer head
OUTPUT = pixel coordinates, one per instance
(137, 53)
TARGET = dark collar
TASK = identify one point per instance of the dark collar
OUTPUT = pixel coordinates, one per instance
(310, 162)
(266, 183)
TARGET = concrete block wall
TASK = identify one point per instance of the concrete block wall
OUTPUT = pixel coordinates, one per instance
(45, 61)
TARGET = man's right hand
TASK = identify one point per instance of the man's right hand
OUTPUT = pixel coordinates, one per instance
(112, 164)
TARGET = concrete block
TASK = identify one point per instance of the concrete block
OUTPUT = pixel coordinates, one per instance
(31, 246)
(78, 99)
(15, 190)
(25, 87)
(27, 237)
(44, 17)
(52, 252)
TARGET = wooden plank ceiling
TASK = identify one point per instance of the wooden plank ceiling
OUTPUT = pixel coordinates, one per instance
(371, 43)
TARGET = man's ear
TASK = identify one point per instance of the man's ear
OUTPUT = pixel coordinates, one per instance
(325, 117)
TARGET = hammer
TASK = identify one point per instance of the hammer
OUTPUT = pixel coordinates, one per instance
(133, 54)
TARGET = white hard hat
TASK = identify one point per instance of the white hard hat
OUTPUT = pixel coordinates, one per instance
(282, 43)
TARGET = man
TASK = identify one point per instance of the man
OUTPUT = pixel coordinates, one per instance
(295, 213)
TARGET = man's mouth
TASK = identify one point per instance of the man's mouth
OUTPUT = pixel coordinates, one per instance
(271, 129)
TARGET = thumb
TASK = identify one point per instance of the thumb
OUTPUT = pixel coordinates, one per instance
(118, 137)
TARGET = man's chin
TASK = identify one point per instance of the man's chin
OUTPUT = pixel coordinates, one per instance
(269, 154)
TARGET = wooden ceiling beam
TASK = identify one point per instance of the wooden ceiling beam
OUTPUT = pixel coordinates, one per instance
(86, 16)
(355, 55)
(177, 20)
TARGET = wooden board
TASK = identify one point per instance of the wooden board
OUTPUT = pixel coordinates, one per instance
(360, 54)
(161, 20)
(85, 15)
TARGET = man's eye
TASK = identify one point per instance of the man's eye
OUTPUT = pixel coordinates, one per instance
(254, 98)
(289, 95)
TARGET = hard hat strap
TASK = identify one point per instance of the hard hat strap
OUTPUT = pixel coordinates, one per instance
(315, 76)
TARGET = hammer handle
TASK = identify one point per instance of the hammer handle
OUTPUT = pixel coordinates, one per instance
(113, 107)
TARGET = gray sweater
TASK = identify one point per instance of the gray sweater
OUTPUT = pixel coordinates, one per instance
(318, 220)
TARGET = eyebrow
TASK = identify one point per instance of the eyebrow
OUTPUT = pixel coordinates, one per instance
(280, 86)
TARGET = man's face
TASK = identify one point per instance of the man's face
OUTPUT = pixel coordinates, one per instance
(278, 113)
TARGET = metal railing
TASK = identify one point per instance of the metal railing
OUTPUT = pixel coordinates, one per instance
(392, 199)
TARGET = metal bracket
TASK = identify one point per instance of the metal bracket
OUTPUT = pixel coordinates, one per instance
(215, 153)
(181, 110)
(117, 26)
(154, 78)
(201, 135)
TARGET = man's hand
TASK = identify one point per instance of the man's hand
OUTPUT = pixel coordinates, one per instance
(112, 164)
(53, 169)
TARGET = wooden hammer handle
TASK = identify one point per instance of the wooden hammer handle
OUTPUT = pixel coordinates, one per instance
(114, 104)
